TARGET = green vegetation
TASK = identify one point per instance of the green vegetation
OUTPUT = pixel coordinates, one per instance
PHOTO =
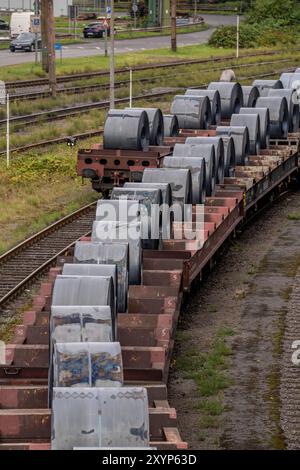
(269, 23)
(207, 371)
(36, 190)
(294, 216)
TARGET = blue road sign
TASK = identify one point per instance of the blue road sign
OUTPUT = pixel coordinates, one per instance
(108, 10)
(58, 46)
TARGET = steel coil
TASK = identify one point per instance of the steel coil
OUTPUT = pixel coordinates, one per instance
(250, 95)
(171, 125)
(291, 80)
(123, 232)
(240, 136)
(197, 167)
(165, 188)
(215, 101)
(150, 200)
(87, 365)
(75, 417)
(156, 124)
(126, 129)
(218, 145)
(180, 181)
(116, 210)
(264, 122)
(193, 112)
(264, 86)
(196, 150)
(279, 115)
(229, 156)
(293, 106)
(74, 324)
(252, 122)
(108, 253)
(231, 97)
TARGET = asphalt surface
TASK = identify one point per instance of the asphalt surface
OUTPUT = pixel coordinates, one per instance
(94, 47)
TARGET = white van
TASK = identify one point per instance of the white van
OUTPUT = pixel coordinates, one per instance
(20, 23)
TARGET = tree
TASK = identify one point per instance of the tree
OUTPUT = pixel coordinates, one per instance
(282, 10)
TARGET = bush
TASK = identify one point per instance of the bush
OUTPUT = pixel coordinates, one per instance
(253, 35)
(284, 11)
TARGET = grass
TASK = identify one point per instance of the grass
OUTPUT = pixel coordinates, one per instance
(37, 190)
(293, 216)
(207, 371)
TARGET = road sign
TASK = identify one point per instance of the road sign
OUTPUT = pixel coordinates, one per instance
(58, 46)
(135, 8)
(2, 92)
(108, 10)
(72, 11)
(35, 24)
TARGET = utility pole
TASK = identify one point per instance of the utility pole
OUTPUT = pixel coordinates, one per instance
(173, 26)
(112, 57)
(45, 64)
(106, 30)
(237, 36)
(51, 47)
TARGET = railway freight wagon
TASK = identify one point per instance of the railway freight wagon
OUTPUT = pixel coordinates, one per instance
(100, 335)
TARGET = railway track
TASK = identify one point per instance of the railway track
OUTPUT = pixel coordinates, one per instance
(122, 83)
(88, 75)
(39, 252)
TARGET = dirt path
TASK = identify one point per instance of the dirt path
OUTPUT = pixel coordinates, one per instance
(248, 293)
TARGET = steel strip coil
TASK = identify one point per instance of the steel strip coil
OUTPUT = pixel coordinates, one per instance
(197, 167)
(150, 200)
(215, 101)
(252, 122)
(126, 129)
(156, 124)
(171, 125)
(293, 106)
(264, 86)
(193, 112)
(279, 115)
(250, 95)
(87, 365)
(121, 232)
(108, 253)
(264, 122)
(75, 417)
(165, 188)
(229, 156)
(240, 136)
(291, 80)
(116, 210)
(218, 145)
(231, 97)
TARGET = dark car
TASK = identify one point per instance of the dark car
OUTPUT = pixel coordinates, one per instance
(4, 26)
(95, 30)
(25, 42)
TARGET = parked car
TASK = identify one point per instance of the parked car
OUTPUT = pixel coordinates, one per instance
(4, 26)
(25, 42)
(95, 30)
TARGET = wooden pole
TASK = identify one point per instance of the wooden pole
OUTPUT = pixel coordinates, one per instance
(173, 26)
(45, 64)
(112, 57)
(51, 47)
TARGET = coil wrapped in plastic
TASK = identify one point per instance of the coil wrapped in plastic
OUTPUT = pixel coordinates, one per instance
(126, 129)
(171, 125)
(193, 112)
(87, 365)
(218, 145)
(156, 124)
(279, 115)
(264, 123)
(253, 124)
(293, 106)
(231, 97)
(291, 80)
(250, 95)
(75, 417)
(123, 232)
(74, 324)
(109, 253)
(240, 136)
(264, 86)
(215, 101)
(197, 167)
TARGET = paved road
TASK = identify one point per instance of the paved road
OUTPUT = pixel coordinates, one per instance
(97, 47)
